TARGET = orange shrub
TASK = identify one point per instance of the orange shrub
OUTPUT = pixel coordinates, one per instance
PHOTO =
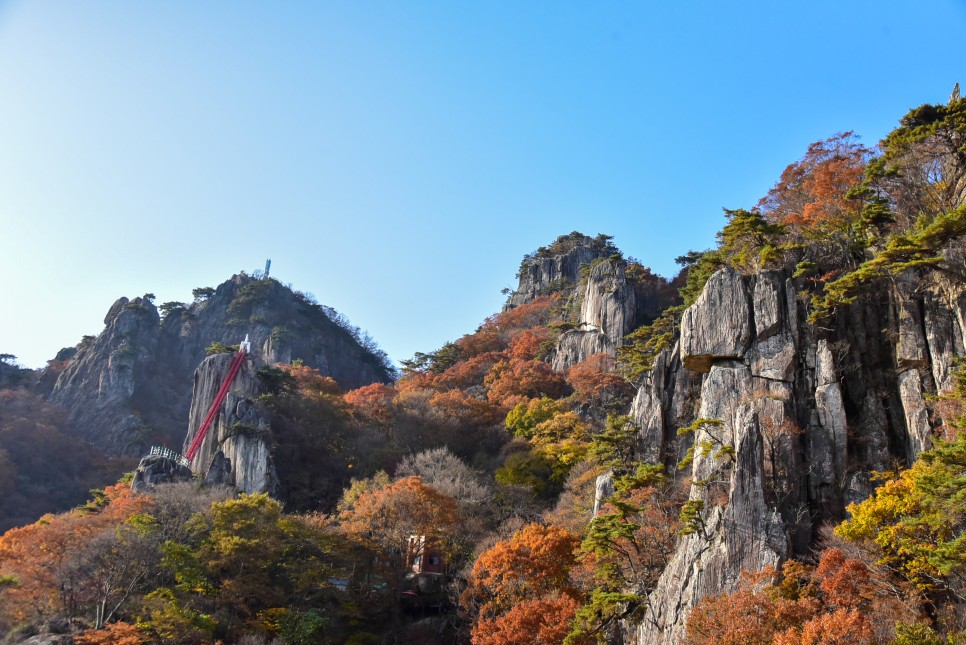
(512, 380)
(532, 622)
(120, 633)
(373, 402)
(526, 344)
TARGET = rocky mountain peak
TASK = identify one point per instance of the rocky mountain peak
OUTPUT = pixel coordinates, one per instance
(556, 267)
(130, 386)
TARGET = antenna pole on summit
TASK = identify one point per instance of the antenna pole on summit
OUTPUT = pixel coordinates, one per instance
(268, 267)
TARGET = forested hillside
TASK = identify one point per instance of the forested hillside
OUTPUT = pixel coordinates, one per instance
(765, 448)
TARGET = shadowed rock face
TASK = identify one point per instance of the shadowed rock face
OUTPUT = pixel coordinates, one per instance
(155, 469)
(808, 412)
(99, 387)
(130, 387)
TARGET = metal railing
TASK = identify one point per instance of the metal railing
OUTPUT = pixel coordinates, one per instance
(168, 453)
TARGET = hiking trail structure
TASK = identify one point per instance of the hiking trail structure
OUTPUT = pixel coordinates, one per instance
(229, 434)
(243, 350)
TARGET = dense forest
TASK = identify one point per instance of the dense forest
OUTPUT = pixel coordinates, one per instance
(580, 462)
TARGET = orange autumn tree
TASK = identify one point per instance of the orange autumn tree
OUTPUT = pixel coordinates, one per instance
(119, 633)
(759, 610)
(494, 336)
(383, 518)
(827, 212)
(816, 189)
(513, 381)
(309, 382)
(596, 383)
(531, 622)
(456, 404)
(534, 314)
(372, 402)
(458, 395)
(70, 565)
(426, 418)
(527, 344)
(467, 373)
(533, 565)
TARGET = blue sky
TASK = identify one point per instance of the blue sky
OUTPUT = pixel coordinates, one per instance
(397, 159)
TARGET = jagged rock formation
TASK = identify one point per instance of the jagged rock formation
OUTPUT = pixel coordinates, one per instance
(608, 311)
(130, 386)
(99, 386)
(805, 413)
(556, 267)
(791, 417)
(236, 450)
(593, 278)
(718, 325)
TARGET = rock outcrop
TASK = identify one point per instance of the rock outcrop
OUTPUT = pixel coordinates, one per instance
(603, 488)
(236, 450)
(594, 281)
(556, 267)
(99, 387)
(608, 311)
(129, 387)
(805, 413)
(718, 325)
(159, 469)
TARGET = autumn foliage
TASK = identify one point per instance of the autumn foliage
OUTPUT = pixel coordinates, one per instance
(842, 600)
(531, 622)
(516, 380)
(56, 565)
(595, 381)
(535, 562)
(119, 633)
(372, 402)
(385, 517)
(816, 189)
(29, 486)
(914, 521)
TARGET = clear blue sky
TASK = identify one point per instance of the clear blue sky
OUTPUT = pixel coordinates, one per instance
(397, 159)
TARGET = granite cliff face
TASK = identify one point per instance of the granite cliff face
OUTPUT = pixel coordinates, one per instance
(608, 311)
(556, 268)
(806, 413)
(236, 450)
(129, 387)
(798, 415)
